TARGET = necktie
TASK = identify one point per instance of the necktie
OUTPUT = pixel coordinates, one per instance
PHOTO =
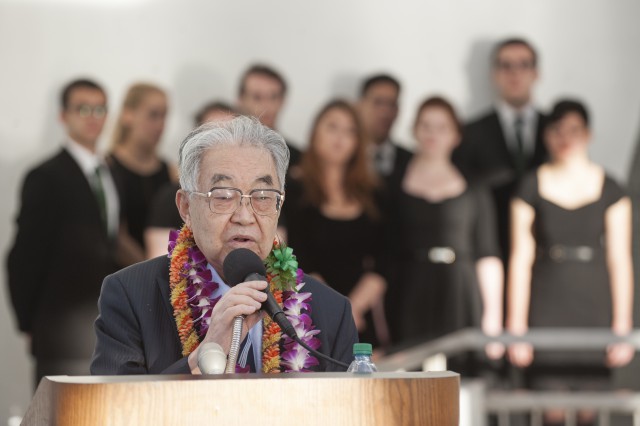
(520, 155)
(246, 358)
(98, 190)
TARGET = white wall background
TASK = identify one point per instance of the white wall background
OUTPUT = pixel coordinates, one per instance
(196, 49)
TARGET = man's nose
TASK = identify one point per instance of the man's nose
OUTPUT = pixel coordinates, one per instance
(244, 213)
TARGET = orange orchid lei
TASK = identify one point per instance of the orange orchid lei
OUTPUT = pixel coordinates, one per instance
(192, 286)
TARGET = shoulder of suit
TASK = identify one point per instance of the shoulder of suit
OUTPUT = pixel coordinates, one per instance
(318, 288)
(149, 269)
(482, 119)
(542, 116)
(51, 166)
(401, 151)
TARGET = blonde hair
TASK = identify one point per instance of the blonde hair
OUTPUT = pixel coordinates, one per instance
(134, 97)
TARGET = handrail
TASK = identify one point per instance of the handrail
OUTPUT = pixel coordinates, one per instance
(565, 339)
(621, 401)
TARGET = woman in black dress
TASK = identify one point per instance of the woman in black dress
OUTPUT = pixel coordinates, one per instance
(571, 256)
(135, 164)
(332, 220)
(449, 273)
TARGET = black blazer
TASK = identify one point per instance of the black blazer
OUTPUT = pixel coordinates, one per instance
(137, 334)
(59, 258)
(483, 157)
(484, 154)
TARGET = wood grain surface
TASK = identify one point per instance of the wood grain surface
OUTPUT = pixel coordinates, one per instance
(293, 399)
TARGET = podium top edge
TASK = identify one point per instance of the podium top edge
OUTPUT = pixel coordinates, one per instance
(246, 376)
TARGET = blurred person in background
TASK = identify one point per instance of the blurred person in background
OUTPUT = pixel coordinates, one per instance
(67, 239)
(448, 273)
(333, 220)
(262, 94)
(378, 110)
(137, 168)
(570, 263)
(163, 212)
(634, 192)
(506, 142)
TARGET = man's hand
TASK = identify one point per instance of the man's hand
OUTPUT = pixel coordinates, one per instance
(245, 299)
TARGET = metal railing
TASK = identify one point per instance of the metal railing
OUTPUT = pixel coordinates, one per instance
(480, 402)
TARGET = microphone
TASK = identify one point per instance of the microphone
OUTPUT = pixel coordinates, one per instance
(211, 358)
(242, 265)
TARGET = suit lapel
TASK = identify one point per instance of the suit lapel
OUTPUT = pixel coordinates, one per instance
(540, 151)
(501, 140)
(81, 187)
(162, 280)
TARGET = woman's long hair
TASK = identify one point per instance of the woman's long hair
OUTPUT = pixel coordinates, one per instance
(359, 180)
(134, 97)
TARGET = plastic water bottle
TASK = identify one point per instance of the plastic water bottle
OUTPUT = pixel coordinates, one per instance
(361, 363)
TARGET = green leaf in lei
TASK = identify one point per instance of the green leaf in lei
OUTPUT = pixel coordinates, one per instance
(283, 266)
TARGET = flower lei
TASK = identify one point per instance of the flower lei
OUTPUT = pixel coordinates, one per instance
(192, 285)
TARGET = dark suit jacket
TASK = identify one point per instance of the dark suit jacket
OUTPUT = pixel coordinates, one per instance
(59, 258)
(394, 180)
(137, 334)
(483, 157)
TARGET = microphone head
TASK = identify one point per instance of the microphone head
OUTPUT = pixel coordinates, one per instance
(241, 263)
(211, 358)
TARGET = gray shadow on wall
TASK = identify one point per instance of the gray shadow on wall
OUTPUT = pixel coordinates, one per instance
(346, 85)
(480, 86)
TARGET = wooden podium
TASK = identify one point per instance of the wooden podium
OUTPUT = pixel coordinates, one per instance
(248, 399)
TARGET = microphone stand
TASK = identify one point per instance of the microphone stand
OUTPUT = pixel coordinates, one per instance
(235, 345)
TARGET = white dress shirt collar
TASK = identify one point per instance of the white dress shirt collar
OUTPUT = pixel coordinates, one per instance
(87, 160)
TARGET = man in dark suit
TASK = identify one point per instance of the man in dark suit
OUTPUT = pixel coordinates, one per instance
(65, 242)
(221, 164)
(261, 94)
(378, 108)
(498, 148)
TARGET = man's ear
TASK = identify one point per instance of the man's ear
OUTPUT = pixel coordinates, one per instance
(182, 202)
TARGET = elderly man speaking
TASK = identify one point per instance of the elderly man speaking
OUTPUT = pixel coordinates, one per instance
(156, 315)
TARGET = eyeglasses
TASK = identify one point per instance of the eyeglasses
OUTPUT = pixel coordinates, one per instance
(515, 66)
(264, 202)
(85, 110)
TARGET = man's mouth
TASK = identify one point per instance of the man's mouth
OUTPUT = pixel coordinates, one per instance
(242, 239)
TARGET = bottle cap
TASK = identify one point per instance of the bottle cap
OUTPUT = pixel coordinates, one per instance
(362, 349)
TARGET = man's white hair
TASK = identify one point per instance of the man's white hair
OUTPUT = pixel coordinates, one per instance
(241, 130)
